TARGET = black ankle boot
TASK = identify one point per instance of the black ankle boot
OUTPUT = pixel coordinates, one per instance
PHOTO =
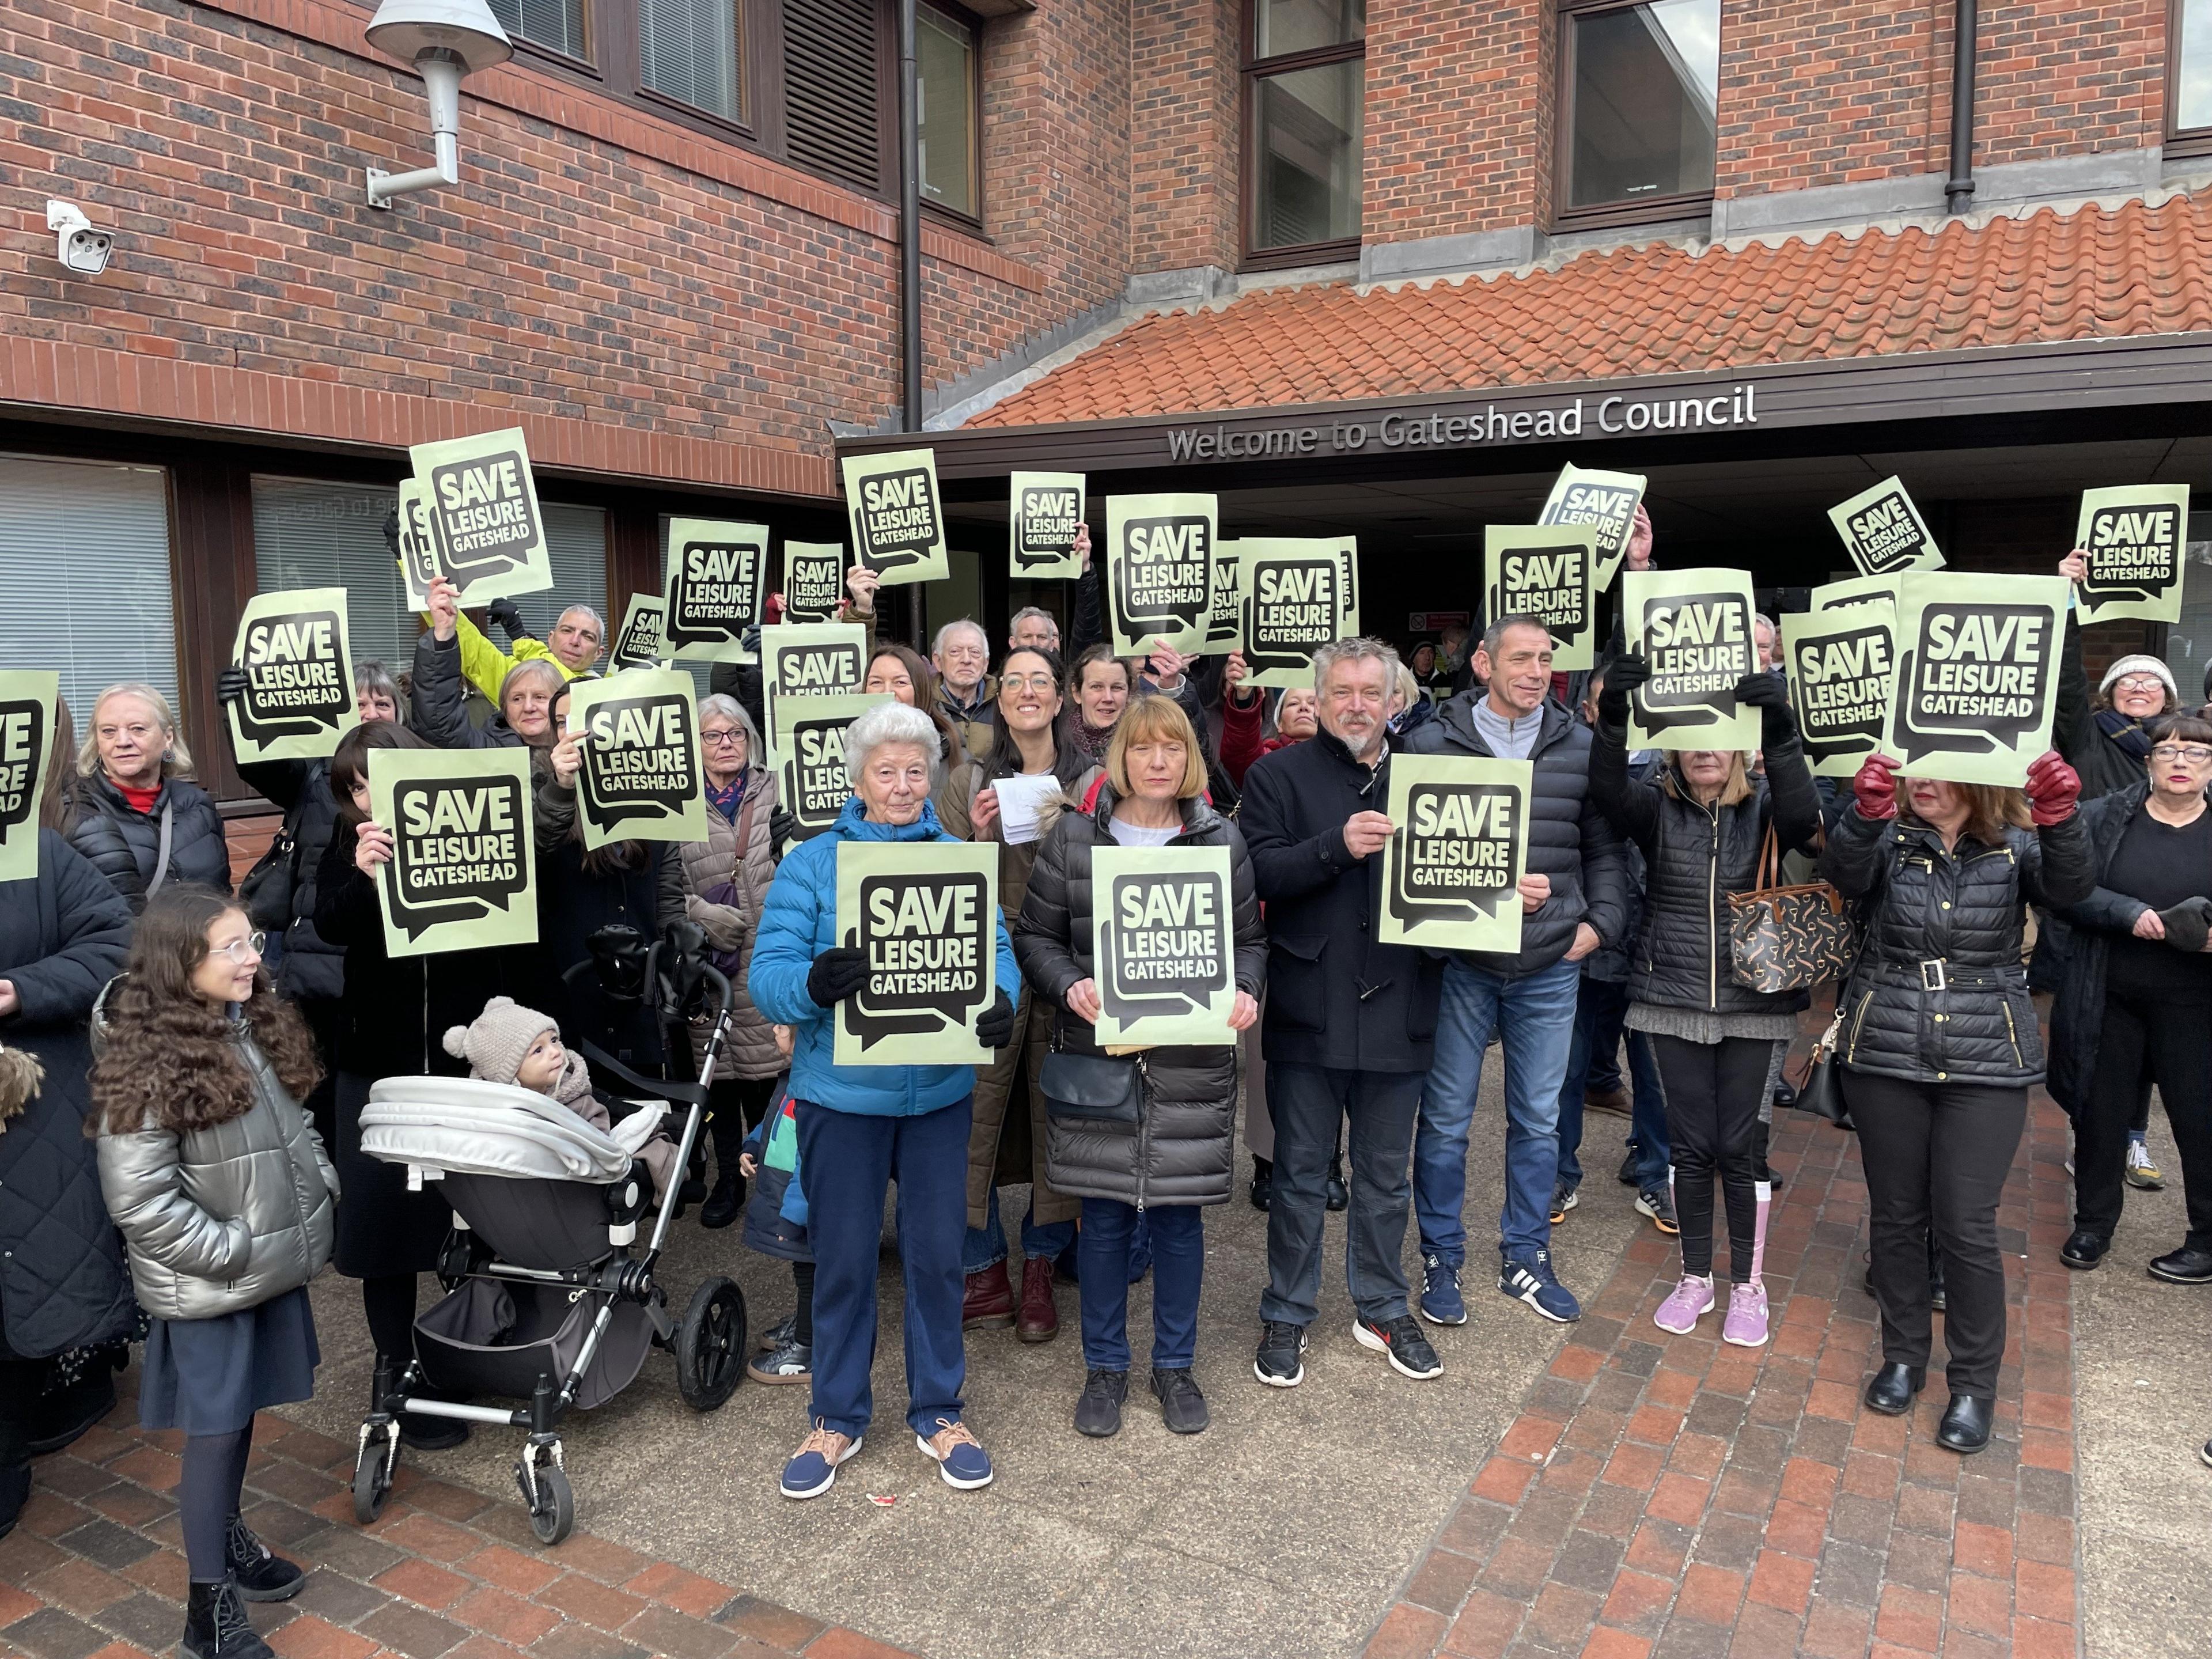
(1892, 1388)
(215, 1625)
(1966, 1426)
(727, 1198)
(260, 1572)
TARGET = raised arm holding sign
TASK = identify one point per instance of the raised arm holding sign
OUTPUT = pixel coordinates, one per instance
(1976, 671)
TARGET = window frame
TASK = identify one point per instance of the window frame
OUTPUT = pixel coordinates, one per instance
(960, 17)
(1253, 69)
(2179, 140)
(1643, 209)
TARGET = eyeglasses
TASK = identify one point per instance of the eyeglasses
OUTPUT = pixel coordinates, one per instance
(241, 950)
(722, 739)
(1025, 681)
(2196, 754)
(2139, 683)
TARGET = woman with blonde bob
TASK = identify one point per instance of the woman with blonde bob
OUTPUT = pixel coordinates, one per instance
(1701, 824)
(1178, 1155)
(135, 798)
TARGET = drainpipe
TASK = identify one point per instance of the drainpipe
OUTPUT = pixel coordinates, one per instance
(1959, 188)
(910, 223)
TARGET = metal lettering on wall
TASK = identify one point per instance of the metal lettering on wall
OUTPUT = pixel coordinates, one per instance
(1573, 418)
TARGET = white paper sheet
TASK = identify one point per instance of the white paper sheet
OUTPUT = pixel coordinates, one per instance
(1020, 800)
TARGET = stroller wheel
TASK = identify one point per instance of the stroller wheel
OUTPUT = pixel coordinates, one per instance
(710, 1344)
(372, 1472)
(553, 1516)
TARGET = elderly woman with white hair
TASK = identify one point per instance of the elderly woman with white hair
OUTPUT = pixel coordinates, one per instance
(862, 1127)
(136, 812)
(721, 883)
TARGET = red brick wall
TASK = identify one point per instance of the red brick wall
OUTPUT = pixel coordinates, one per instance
(600, 273)
(2058, 79)
(1458, 98)
(1185, 107)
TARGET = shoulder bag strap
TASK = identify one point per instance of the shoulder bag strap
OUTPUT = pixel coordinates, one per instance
(162, 855)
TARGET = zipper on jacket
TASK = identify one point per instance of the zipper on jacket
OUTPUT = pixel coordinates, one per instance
(2011, 1033)
(1857, 1020)
(1712, 923)
(1144, 1128)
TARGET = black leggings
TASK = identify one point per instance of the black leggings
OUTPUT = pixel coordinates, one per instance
(2142, 1042)
(1713, 1091)
(1936, 1157)
(737, 1104)
(215, 1475)
(389, 1302)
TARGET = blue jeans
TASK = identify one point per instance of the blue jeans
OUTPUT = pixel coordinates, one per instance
(985, 1247)
(847, 1160)
(1178, 1266)
(1599, 1011)
(1535, 1016)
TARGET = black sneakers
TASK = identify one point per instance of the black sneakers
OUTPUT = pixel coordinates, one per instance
(1281, 1362)
(1182, 1407)
(1098, 1409)
(1401, 1341)
(260, 1574)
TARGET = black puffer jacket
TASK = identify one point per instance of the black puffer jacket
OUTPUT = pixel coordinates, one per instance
(1694, 857)
(310, 969)
(123, 844)
(1951, 919)
(1182, 1149)
(1336, 996)
(64, 934)
(2076, 732)
(437, 705)
(1569, 838)
(2077, 1012)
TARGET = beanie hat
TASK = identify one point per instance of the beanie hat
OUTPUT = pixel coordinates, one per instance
(2140, 665)
(496, 1043)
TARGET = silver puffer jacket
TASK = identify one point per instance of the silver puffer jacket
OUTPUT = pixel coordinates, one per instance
(220, 1220)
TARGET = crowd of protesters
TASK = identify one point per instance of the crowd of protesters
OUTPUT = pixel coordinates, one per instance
(221, 1044)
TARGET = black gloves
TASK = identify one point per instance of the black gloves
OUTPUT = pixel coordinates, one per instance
(230, 685)
(508, 615)
(782, 830)
(1626, 673)
(836, 974)
(1767, 694)
(994, 1029)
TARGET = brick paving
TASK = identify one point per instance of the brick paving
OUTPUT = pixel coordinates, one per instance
(96, 1571)
(1676, 1497)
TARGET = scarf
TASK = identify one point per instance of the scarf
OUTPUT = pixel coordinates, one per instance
(2134, 742)
(729, 801)
(1092, 741)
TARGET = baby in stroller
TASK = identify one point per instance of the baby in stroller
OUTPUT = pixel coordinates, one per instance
(510, 1044)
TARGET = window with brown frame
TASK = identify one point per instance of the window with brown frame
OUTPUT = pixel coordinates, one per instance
(694, 51)
(1305, 94)
(2188, 77)
(948, 100)
(1637, 111)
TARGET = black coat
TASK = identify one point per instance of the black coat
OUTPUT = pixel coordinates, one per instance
(392, 1023)
(1694, 857)
(310, 969)
(1954, 916)
(438, 703)
(123, 844)
(64, 934)
(578, 894)
(1569, 838)
(1181, 1149)
(1336, 996)
(2102, 765)
(2077, 1011)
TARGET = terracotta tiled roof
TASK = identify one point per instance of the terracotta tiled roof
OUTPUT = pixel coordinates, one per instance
(2094, 272)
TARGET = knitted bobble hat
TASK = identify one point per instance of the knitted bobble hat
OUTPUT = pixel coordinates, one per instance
(2140, 665)
(496, 1042)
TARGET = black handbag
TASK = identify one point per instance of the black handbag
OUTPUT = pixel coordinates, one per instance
(265, 895)
(1090, 1088)
(1822, 1094)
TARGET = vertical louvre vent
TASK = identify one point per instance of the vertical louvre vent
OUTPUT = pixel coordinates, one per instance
(830, 88)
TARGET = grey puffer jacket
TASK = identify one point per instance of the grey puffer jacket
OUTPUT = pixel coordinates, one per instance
(220, 1219)
(1694, 857)
(1180, 1152)
(687, 871)
(1939, 994)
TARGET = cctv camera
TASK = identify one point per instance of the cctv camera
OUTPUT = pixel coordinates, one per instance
(77, 245)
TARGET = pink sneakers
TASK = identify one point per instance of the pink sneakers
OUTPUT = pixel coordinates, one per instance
(1746, 1325)
(1691, 1299)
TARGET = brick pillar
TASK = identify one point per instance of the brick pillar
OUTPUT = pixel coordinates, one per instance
(1186, 103)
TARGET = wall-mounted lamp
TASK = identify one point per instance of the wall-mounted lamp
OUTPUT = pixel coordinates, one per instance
(444, 39)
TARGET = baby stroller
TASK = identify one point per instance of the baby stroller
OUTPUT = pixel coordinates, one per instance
(547, 1298)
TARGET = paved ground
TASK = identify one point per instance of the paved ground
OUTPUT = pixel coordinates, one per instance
(1289, 1521)
(1649, 1495)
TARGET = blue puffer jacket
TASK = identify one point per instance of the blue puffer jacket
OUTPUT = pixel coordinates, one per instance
(798, 923)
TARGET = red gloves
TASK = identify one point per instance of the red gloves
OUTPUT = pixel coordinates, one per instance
(1875, 784)
(2053, 788)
